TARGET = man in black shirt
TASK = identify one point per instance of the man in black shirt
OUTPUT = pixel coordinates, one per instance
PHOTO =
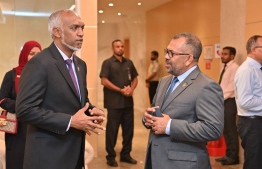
(119, 77)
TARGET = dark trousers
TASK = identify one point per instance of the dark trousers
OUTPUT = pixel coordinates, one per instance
(115, 118)
(250, 132)
(230, 129)
(152, 90)
(148, 164)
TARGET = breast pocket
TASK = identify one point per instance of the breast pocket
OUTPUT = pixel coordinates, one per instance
(180, 159)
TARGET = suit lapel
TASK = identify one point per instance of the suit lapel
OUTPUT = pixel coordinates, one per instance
(180, 88)
(80, 80)
(61, 65)
(164, 89)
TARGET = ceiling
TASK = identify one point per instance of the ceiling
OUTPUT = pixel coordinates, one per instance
(128, 8)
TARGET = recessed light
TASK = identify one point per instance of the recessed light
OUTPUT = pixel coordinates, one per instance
(72, 7)
(103, 21)
(118, 13)
(110, 4)
(101, 11)
(139, 3)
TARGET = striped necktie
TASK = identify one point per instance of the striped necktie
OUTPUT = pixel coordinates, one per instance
(170, 89)
(72, 74)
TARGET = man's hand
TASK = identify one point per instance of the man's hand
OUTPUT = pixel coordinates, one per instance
(148, 116)
(97, 112)
(148, 84)
(159, 124)
(127, 91)
(87, 123)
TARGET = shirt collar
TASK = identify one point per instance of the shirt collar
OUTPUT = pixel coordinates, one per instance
(185, 74)
(253, 62)
(229, 63)
(115, 59)
(64, 55)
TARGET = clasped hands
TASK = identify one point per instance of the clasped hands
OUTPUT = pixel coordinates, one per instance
(89, 124)
(157, 124)
(127, 91)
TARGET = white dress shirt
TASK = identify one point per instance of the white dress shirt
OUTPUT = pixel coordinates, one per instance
(154, 67)
(180, 79)
(248, 88)
(73, 66)
(227, 82)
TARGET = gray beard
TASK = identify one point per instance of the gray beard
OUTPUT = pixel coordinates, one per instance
(69, 46)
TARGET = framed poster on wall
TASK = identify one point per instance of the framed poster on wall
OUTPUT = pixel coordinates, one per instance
(208, 51)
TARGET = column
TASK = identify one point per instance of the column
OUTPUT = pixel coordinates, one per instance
(232, 33)
(87, 9)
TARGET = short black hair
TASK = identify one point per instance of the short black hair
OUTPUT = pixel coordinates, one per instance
(232, 50)
(117, 40)
(155, 53)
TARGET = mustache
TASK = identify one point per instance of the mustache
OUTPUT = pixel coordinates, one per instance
(168, 61)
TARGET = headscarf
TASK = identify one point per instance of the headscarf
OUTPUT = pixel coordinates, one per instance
(23, 59)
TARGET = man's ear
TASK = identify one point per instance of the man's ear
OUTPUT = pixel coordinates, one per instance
(57, 32)
(189, 59)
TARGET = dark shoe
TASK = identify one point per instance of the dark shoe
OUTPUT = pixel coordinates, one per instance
(221, 159)
(129, 160)
(112, 163)
(230, 161)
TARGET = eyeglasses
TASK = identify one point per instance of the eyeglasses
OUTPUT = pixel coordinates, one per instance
(257, 46)
(170, 53)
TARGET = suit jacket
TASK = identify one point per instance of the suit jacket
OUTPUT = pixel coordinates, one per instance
(46, 101)
(196, 108)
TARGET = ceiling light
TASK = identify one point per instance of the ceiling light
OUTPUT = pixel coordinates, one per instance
(72, 7)
(103, 21)
(139, 3)
(119, 14)
(101, 11)
(110, 4)
(20, 13)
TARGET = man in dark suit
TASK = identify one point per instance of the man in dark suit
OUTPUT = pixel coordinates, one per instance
(53, 99)
(191, 105)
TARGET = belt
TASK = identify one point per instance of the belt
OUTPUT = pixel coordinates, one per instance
(252, 117)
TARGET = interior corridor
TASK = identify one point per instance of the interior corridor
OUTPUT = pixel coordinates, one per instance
(138, 150)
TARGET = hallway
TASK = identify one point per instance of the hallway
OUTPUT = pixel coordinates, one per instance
(138, 150)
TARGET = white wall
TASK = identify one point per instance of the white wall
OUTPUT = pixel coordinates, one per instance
(134, 29)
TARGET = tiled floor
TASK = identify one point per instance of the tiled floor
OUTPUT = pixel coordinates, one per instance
(138, 151)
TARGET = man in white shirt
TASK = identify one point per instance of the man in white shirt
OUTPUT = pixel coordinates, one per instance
(248, 89)
(226, 82)
(153, 75)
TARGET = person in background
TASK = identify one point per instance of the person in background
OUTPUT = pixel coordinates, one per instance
(53, 99)
(191, 108)
(226, 82)
(153, 75)
(15, 143)
(119, 77)
(248, 91)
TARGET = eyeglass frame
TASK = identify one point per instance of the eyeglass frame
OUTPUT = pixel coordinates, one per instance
(257, 46)
(166, 51)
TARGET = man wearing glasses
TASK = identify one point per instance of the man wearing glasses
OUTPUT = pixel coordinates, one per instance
(248, 89)
(191, 107)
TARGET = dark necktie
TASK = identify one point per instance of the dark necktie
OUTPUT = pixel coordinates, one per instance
(222, 73)
(71, 72)
(170, 89)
